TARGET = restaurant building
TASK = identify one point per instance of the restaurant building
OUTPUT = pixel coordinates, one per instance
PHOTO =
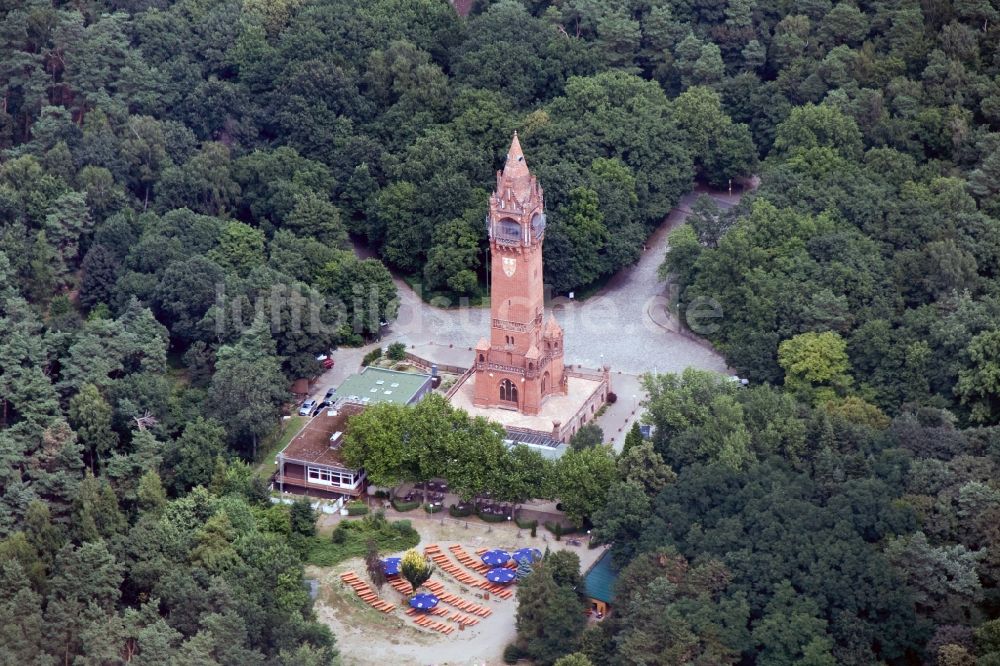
(311, 464)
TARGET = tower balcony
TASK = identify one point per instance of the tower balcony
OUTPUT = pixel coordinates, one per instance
(528, 373)
(499, 367)
(510, 325)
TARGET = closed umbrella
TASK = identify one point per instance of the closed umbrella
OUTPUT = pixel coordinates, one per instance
(501, 575)
(424, 601)
(496, 557)
(391, 566)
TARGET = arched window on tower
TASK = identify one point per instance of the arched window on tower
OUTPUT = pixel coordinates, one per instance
(507, 229)
(508, 392)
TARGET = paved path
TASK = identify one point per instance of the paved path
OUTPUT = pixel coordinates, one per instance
(626, 325)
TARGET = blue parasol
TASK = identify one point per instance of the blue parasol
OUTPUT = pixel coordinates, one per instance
(501, 575)
(390, 566)
(496, 557)
(529, 554)
(424, 601)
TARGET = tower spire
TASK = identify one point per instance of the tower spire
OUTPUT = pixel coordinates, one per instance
(515, 174)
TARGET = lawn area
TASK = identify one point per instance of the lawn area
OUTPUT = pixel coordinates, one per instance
(350, 537)
(278, 440)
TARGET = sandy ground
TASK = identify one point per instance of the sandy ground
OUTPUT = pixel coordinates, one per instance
(366, 636)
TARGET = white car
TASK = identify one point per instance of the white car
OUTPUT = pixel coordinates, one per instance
(307, 407)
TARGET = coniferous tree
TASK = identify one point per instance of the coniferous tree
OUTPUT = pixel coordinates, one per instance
(90, 416)
(101, 270)
(374, 565)
(303, 517)
(549, 616)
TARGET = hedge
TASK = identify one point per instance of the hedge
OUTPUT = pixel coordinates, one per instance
(405, 506)
(459, 513)
(526, 524)
(433, 508)
(357, 509)
(490, 518)
(565, 529)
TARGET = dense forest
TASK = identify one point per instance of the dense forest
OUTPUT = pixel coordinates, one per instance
(180, 181)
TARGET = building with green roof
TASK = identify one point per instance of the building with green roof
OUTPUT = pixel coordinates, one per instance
(599, 583)
(374, 385)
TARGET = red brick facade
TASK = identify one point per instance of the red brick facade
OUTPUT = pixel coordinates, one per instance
(522, 362)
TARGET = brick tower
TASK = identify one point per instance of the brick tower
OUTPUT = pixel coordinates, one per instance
(522, 362)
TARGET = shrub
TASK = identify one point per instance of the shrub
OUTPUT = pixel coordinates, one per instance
(490, 518)
(526, 524)
(396, 351)
(612, 397)
(512, 653)
(351, 538)
(372, 356)
(433, 508)
(534, 529)
(403, 507)
(374, 521)
(356, 508)
(404, 527)
(463, 512)
(339, 535)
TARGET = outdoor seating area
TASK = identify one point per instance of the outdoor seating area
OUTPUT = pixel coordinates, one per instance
(423, 608)
(400, 585)
(492, 508)
(457, 601)
(433, 486)
(437, 606)
(366, 593)
(428, 623)
(431, 491)
(468, 561)
(448, 566)
(443, 563)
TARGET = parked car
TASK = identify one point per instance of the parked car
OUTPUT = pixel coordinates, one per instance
(329, 393)
(320, 407)
(326, 360)
(307, 408)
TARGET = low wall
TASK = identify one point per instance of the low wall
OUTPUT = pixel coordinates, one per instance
(442, 367)
(589, 410)
(327, 507)
(458, 384)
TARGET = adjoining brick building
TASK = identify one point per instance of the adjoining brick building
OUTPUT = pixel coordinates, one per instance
(518, 377)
